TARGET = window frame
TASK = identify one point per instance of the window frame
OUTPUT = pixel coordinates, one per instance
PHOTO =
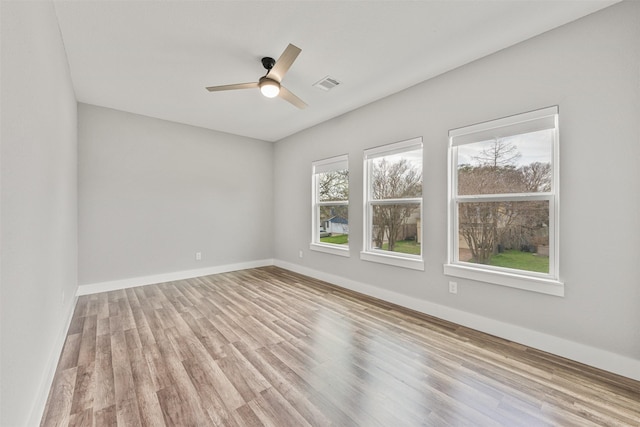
(415, 262)
(547, 283)
(319, 166)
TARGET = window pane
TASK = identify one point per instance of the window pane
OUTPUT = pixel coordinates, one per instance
(397, 176)
(333, 185)
(334, 224)
(505, 234)
(396, 228)
(514, 164)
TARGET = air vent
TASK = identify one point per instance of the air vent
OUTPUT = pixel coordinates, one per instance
(327, 83)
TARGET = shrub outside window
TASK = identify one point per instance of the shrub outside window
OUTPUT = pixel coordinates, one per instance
(503, 210)
(330, 194)
(393, 204)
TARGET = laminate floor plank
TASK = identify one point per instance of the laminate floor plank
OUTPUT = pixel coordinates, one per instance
(84, 388)
(209, 393)
(145, 390)
(191, 405)
(157, 368)
(247, 418)
(106, 417)
(58, 410)
(252, 377)
(270, 347)
(104, 392)
(291, 386)
(82, 419)
(211, 337)
(174, 409)
(209, 376)
(278, 410)
(126, 402)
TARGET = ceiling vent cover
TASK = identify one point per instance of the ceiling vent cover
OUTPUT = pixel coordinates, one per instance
(327, 83)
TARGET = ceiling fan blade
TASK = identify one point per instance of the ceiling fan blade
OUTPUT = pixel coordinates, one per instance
(284, 62)
(232, 87)
(287, 95)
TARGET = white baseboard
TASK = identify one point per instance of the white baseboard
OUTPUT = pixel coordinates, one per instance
(592, 356)
(132, 282)
(40, 401)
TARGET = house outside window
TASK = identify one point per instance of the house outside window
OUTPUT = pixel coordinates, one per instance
(330, 199)
(393, 204)
(503, 202)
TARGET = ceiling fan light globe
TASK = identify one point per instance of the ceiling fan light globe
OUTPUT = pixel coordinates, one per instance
(269, 88)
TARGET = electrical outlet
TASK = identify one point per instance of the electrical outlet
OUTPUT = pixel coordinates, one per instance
(198, 256)
(300, 253)
(453, 287)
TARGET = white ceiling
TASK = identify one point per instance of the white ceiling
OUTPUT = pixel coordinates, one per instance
(155, 58)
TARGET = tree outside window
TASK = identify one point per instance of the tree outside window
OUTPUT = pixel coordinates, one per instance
(506, 233)
(393, 197)
(396, 179)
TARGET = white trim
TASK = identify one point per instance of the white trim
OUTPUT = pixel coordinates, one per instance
(37, 409)
(341, 250)
(554, 213)
(393, 258)
(513, 280)
(114, 285)
(582, 353)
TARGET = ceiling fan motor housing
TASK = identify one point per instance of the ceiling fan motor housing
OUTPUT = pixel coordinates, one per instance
(268, 62)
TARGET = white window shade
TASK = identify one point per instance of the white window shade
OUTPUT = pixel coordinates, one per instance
(332, 164)
(398, 147)
(509, 126)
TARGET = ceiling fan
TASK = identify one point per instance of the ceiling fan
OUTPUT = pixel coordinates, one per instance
(269, 84)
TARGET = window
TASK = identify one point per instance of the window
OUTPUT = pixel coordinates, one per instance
(330, 192)
(393, 204)
(503, 210)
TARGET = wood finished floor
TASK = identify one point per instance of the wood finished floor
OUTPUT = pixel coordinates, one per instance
(270, 347)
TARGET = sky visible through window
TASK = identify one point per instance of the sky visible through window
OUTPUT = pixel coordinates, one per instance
(533, 147)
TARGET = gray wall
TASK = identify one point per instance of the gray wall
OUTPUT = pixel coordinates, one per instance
(590, 68)
(153, 192)
(39, 206)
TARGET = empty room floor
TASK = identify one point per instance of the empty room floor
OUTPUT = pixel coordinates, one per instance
(270, 347)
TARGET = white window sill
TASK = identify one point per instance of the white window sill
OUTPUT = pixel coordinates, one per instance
(512, 280)
(341, 250)
(396, 260)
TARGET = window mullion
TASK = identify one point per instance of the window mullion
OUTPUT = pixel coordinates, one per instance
(333, 203)
(412, 201)
(510, 197)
